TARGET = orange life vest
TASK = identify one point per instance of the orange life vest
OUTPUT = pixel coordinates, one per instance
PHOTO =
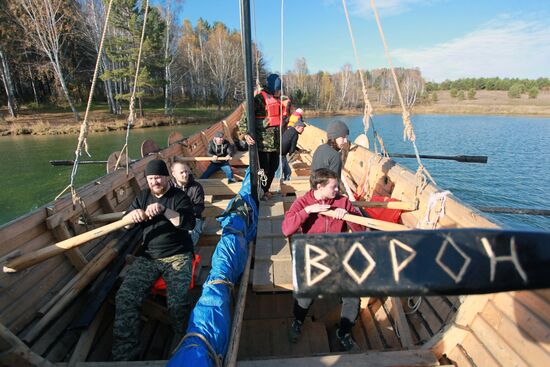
(273, 109)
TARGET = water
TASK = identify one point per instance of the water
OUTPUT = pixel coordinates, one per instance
(28, 181)
(517, 173)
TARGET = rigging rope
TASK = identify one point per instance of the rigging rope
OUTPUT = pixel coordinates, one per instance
(131, 113)
(368, 110)
(408, 131)
(83, 136)
(281, 177)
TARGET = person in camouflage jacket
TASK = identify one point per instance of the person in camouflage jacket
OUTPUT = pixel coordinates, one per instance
(267, 137)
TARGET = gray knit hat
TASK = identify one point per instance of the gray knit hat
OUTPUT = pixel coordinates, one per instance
(299, 123)
(337, 129)
(218, 134)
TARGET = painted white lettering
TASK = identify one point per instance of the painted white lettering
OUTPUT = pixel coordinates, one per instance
(315, 263)
(513, 258)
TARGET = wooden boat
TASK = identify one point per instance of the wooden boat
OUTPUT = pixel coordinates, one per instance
(40, 306)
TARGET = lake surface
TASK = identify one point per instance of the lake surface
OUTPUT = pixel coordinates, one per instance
(28, 181)
(516, 175)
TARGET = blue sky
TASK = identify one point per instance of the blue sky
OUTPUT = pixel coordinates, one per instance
(446, 39)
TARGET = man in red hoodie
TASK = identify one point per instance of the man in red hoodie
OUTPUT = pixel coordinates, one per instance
(303, 216)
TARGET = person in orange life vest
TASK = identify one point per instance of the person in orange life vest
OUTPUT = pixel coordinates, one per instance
(303, 216)
(296, 116)
(267, 109)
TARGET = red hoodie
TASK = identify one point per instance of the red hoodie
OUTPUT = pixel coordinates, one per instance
(296, 218)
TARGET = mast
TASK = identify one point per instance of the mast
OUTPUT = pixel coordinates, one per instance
(249, 87)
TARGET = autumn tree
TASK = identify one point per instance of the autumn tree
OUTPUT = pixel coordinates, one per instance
(47, 24)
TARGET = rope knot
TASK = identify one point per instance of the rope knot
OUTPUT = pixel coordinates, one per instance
(408, 131)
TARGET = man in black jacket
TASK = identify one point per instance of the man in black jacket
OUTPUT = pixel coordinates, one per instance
(218, 148)
(184, 180)
(166, 216)
(289, 143)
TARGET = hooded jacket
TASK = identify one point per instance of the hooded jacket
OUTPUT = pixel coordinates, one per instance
(221, 150)
(297, 219)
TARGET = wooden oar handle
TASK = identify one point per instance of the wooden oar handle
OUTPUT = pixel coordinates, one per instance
(201, 159)
(45, 253)
(368, 222)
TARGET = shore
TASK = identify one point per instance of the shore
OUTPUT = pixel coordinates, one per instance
(59, 123)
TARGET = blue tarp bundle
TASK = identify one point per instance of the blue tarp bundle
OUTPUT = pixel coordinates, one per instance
(211, 316)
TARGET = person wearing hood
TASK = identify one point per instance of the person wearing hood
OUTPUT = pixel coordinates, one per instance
(184, 180)
(271, 110)
(303, 216)
(217, 148)
(329, 155)
(165, 215)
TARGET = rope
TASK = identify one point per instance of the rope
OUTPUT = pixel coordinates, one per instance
(223, 281)
(83, 136)
(282, 175)
(217, 358)
(414, 306)
(408, 132)
(131, 113)
(368, 110)
(440, 197)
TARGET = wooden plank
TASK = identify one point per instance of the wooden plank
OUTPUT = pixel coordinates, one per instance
(459, 356)
(530, 350)
(280, 249)
(530, 324)
(379, 359)
(382, 318)
(84, 344)
(405, 336)
(476, 351)
(282, 275)
(403, 205)
(263, 276)
(494, 342)
(535, 303)
(373, 337)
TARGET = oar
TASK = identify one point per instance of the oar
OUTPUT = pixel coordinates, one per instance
(32, 258)
(492, 209)
(458, 158)
(368, 222)
(68, 162)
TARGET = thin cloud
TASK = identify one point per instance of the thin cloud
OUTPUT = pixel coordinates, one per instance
(503, 48)
(386, 8)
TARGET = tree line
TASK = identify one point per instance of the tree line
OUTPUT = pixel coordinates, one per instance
(48, 52)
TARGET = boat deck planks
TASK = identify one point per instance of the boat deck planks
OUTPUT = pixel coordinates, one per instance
(418, 358)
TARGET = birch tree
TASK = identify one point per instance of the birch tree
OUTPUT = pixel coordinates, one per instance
(93, 18)
(5, 75)
(223, 57)
(47, 23)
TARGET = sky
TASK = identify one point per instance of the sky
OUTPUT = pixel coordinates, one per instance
(445, 39)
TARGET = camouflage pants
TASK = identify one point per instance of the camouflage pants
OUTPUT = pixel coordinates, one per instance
(176, 271)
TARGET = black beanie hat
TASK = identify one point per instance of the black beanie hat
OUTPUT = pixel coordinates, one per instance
(156, 167)
(337, 129)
